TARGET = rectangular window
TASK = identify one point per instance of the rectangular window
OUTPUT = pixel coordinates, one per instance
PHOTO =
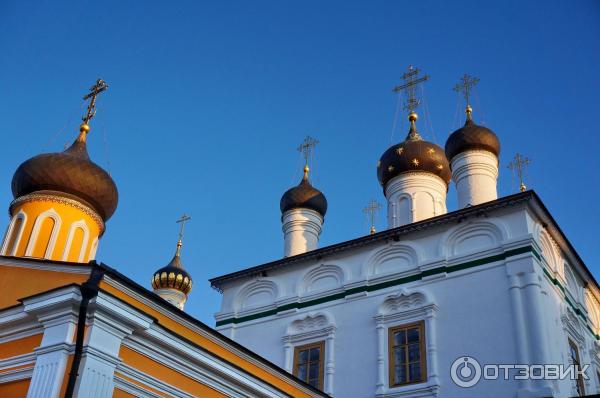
(406, 345)
(574, 353)
(308, 363)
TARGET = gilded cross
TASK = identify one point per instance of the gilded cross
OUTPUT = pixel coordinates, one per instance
(465, 85)
(519, 163)
(370, 210)
(182, 220)
(410, 87)
(96, 89)
(306, 148)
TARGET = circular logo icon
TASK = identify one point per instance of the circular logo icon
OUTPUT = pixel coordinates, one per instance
(465, 372)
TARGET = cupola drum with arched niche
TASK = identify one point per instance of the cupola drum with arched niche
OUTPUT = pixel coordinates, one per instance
(415, 173)
(61, 201)
(473, 152)
(303, 209)
(172, 282)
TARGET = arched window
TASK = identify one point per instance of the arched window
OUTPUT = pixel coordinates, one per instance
(77, 242)
(43, 235)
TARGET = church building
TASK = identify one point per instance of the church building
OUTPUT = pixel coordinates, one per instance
(424, 308)
(71, 327)
(419, 309)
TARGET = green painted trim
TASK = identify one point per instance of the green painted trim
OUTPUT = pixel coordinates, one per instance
(382, 285)
(568, 301)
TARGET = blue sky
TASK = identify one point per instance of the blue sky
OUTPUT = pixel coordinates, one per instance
(208, 102)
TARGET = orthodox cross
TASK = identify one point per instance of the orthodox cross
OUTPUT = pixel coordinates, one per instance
(519, 163)
(410, 87)
(372, 207)
(465, 85)
(181, 221)
(96, 89)
(307, 146)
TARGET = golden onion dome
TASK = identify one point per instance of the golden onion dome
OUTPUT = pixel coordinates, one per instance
(173, 275)
(70, 173)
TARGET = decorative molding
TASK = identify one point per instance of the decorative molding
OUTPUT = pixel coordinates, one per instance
(324, 274)
(404, 307)
(476, 235)
(266, 291)
(404, 255)
(309, 328)
(36, 231)
(42, 197)
(94, 249)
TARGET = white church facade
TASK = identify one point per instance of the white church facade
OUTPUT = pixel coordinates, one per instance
(405, 312)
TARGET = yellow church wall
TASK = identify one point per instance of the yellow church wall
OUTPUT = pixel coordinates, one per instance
(152, 368)
(205, 343)
(21, 346)
(13, 286)
(122, 394)
(145, 387)
(61, 222)
(15, 389)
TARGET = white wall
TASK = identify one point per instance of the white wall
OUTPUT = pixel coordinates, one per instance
(471, 311)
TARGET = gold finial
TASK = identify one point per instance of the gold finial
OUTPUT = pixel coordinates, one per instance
(306, 148)
(519, 164)
(96, 89)
(412, 102)
(181, 221)
(370, 210)
(464, 86)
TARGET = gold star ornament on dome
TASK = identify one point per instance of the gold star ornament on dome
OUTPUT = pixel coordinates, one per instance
(400, 150)
(415, 162)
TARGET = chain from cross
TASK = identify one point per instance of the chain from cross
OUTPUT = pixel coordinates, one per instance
(410, 88)
(465, 85)
(370, 210)
(306, 148)
(96, 89)
(519, 163)
(182, 220)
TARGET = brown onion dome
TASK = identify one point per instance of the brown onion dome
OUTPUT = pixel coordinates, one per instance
(412, 155)
(472, 136)
(70, 172)
(173, 275)
(304, 196)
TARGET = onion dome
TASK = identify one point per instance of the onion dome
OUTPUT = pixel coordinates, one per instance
(414, 154)
(173, 275)
(472, 136)
(304, 196)
(71, 173)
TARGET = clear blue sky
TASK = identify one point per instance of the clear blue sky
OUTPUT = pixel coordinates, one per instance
(208, 102)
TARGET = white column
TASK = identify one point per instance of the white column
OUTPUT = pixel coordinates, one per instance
(330, 363)
(414, 197)
(57, 311)
(109, 322)
(380, 387)
(475, 174)
(531, 336)
(288, 355)
(301, 230)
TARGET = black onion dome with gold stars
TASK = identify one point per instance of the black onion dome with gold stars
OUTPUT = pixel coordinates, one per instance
(414, 154)
(472, 137)
(305, 196)
(70, 172)
(173, 275)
